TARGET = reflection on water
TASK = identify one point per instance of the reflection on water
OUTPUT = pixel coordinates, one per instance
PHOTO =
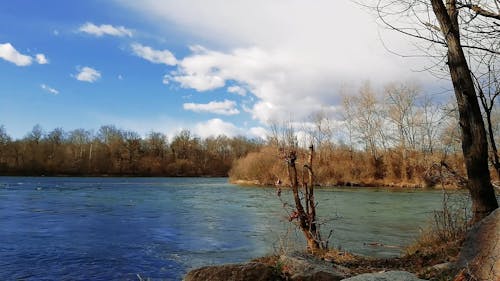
(115, 228)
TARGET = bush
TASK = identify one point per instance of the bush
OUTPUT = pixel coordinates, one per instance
(262, 166)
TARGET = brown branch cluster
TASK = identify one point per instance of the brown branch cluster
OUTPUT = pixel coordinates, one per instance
(303, 196)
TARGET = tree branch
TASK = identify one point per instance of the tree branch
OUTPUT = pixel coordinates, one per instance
(480, 11)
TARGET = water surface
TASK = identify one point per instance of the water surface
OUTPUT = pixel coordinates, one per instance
(116, 228)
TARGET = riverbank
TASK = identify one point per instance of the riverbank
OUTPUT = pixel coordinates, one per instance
(472, 255)
(330, 265)
(363, 184)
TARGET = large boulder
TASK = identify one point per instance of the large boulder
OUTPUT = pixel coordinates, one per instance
(234, 272)
(302, 267)
(385, 276)
(480, 254)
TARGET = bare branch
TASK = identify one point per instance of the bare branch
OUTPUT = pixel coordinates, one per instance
(481, 11)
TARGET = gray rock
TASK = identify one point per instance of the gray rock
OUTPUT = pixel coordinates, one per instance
(385, 276)
(234, 272)
(302, 267)
(480, 254)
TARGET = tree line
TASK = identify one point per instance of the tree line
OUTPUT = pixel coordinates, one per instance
(394, 136)
(113, 151)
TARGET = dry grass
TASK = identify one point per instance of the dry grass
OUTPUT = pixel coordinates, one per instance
(340, 166)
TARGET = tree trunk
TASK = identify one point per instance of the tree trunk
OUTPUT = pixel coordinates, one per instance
(303, 217)
(494, 153)
(474, 144)
(310, 199)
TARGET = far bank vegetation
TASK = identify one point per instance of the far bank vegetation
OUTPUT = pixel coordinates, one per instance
(392, 137)
(112, 151)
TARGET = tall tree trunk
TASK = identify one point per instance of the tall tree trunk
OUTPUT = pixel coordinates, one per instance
(474, 144)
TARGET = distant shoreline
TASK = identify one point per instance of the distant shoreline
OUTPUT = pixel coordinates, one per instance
(400, 186)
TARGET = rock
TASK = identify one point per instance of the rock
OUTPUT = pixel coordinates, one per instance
(442, 266)
(302, 267)
(480, 254)
(234, 272)
(385, 276)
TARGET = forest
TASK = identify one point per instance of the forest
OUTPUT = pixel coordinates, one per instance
(116, 152)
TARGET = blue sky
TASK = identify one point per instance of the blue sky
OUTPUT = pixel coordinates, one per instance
(209, 66)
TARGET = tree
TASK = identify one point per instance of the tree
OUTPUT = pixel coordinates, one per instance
(303, 209)
(488, 86)
(402, 111)
(457, 27)
(4, 144)
(55, 155)
(367, 118)
(433, 118)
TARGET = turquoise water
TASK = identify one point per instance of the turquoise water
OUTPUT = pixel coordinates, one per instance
(116, 228)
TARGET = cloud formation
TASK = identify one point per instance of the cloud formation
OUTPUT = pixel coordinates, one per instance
(10, 54)
(281, 81)
(41, 59)
(152, 55)
(294, 64)
(237, 90)
(216, 127)
(88, 74)
(49, 89)
(225, 107)
(105, 29)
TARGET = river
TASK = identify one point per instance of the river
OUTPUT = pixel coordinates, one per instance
(159, 228)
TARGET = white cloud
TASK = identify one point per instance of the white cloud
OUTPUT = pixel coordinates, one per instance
(105, 29)
(281, 82)
(10, 54)
(152, 55)
(258, 132)
(215, 127)
(41, 59)
(293, 64)
(200, 82)
(88, 74)
(49, 89)
(225, 107)
(237, 90)
(166, 79)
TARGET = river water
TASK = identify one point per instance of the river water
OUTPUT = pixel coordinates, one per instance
(159, 228)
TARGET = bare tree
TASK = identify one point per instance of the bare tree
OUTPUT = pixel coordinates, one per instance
(487, 83)
(305, 206)
(4, 143)
(303, 209)
(402, 111)
(454, 31)
(366, 119)
(433, 118)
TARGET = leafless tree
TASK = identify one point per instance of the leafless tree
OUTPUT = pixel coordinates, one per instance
(367, 118)
(487, 82)
(403, 112)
